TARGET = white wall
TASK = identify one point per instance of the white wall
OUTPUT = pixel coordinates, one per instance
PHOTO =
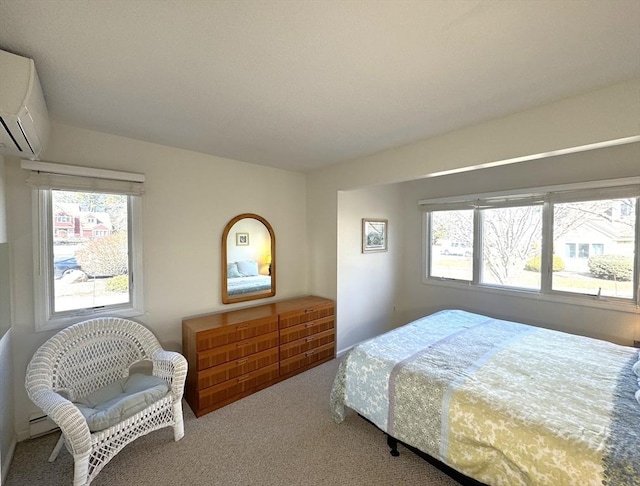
(420, 299)
(7, 425)
(8, 435)
(368, 283)
(189, 199)
(599, 116)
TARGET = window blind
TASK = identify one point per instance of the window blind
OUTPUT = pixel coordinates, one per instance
(612, 189)
(47, 175)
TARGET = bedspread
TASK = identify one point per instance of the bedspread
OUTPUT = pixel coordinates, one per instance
(502, 402)
(246, 285)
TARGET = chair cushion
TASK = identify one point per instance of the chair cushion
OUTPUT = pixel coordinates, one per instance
(120, 400)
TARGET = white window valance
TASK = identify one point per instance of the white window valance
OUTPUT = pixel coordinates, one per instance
(48, 175)
(611, 189)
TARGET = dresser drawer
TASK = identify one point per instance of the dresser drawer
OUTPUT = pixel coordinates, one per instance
(236, 332)
(208, 397)
(235, 353)
(311, 313)
(240, 349)
(310, 357)
(233, 369)
(306, 344)
(300, 331)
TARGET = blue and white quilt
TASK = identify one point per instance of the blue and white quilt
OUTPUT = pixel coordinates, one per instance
(502, 402)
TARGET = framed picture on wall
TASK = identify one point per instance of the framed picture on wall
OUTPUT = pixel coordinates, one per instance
(374, 235)
(242, 239)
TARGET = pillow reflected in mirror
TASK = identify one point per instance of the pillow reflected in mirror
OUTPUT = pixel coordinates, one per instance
(248, 268)
(232, 271)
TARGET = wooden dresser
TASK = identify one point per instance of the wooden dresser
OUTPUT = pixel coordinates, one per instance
(236, 353)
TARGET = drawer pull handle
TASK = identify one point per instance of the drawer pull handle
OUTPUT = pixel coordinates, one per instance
(242, 327)
(309, 353)
(242, 361)
(306, 311)
(310, 338)
(244, 378)
(309, 324)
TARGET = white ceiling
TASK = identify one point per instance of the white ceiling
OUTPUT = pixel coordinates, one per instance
(299, 84)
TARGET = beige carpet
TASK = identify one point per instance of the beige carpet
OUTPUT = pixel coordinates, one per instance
(283, 435)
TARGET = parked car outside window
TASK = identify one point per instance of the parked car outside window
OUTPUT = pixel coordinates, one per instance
(62, 265)
(457, 249)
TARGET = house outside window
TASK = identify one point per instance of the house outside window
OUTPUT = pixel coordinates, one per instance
(606, 247)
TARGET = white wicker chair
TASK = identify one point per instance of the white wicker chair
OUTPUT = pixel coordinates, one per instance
(86, 357)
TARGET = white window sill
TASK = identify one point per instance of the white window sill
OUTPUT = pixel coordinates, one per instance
(53, 323)
(578, 300)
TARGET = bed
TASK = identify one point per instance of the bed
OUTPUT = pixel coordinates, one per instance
(501, 402)
(243, 277)
(246, 285)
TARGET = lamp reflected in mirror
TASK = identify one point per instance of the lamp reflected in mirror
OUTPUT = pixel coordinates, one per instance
(248, 259)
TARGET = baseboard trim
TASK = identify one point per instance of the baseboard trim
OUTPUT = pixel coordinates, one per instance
(6, 462)
(40, 425)
(341, 352)
(23, 435)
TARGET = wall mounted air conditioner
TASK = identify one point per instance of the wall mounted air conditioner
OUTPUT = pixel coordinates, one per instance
(24, 120)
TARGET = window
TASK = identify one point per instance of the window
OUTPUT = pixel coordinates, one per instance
(452, 245)
(562, 242)
(511, 238)
(583, 250)
(93, 266)
(602, 269)
(90, 269)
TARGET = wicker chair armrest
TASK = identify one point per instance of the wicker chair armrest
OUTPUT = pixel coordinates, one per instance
(172, 367)
(67, 416)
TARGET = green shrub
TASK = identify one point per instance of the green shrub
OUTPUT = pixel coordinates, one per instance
(533, 265)
(104, 257)
(119, 284)
(611, 267)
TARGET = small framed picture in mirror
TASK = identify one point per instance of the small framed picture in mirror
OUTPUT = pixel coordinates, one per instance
(374, 235)
(242, 239)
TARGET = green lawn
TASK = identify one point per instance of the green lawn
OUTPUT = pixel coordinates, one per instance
(461, 268)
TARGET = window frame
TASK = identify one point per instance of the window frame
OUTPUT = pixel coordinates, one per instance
(429, 260)
(44, 177)
(550, 195)
(45, 317)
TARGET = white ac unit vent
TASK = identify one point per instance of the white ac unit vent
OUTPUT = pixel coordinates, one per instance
(24, 120)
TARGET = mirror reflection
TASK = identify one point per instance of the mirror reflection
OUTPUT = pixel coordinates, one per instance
(248, 263)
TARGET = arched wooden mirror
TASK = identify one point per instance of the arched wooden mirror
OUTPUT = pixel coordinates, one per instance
(248, 259)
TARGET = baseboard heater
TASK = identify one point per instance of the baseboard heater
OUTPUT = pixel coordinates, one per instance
(40, 425)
